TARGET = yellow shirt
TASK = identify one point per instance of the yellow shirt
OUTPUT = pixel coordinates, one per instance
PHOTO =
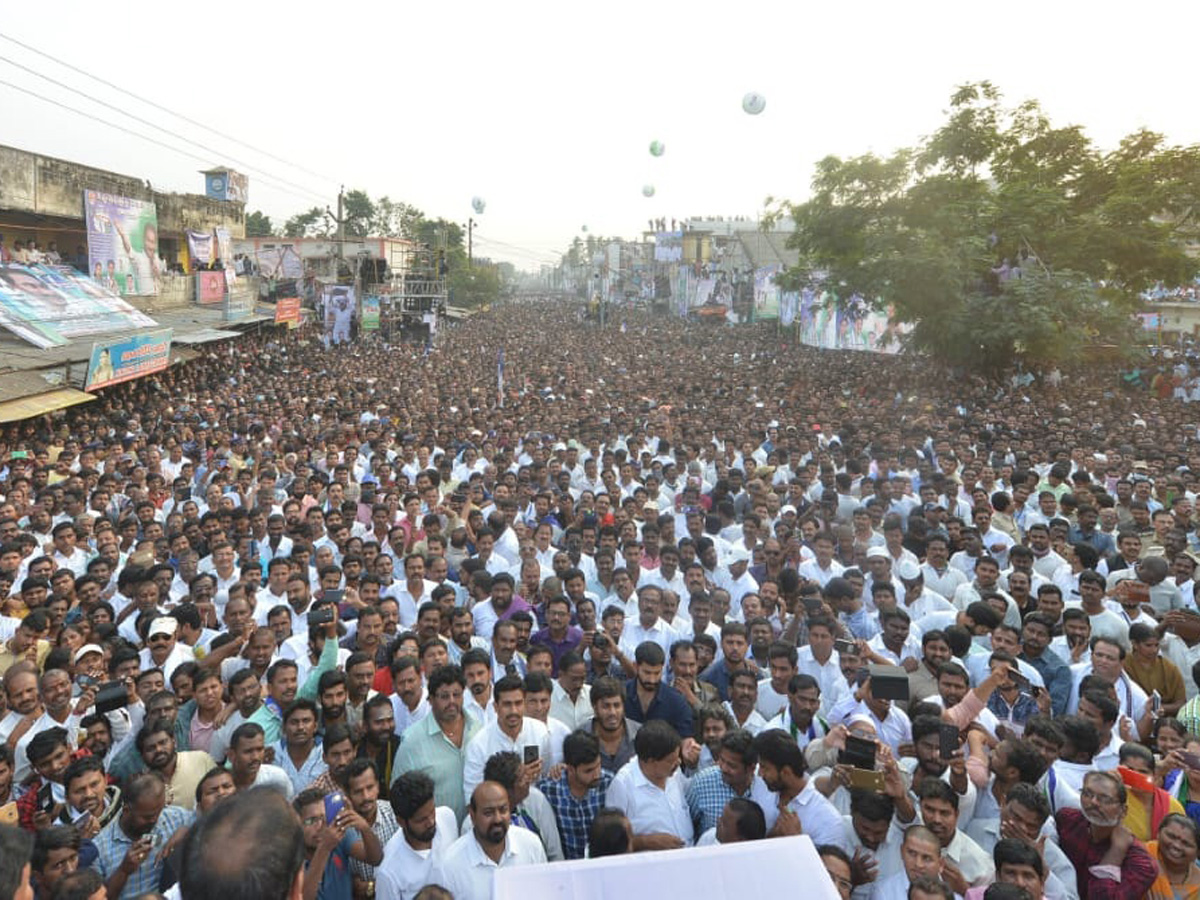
(8, 658)
(1137, 818)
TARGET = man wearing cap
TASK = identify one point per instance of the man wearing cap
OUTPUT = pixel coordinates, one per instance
(916, 600)
(163, 650)
(734, 578)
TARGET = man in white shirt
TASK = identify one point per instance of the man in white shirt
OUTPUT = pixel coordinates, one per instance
(513, 731)
(468, 868)
(649, 789)
(426, 833)
(782, 765)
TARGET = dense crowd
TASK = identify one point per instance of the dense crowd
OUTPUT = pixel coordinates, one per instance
(339, 623)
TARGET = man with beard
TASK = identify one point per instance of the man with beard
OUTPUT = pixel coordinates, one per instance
(360, 781)
(1109, 862)
(379, 741)
(91, 801)
(246, 754)
(426, 832)
(128, 857)
(436, 746)
(468, 868)
(512, 730)
(578, 793)
(181, 771)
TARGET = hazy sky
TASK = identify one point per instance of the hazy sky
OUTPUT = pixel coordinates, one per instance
(546, 110)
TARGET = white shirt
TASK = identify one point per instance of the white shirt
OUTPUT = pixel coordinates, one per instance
(404, 871)
(651, 809)
(818, 817)
(467, 872)
(491, 739)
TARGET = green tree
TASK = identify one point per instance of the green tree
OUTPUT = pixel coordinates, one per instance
(474, 286)
(312, 223)
(1001, 235)
(258, 225)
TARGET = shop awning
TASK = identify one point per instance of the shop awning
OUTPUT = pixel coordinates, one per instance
(38, 404)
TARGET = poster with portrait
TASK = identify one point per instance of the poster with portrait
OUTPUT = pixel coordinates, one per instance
(123, 243)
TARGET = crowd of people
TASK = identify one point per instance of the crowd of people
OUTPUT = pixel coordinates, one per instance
(366, 621)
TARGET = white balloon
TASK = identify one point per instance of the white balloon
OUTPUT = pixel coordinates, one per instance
(478, 204)
(648, 190)
(657, 148)
(754, 103)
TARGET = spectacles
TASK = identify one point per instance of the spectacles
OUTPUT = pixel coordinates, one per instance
(1089, 794)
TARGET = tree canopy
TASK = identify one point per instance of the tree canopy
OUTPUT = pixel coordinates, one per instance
(1001, 234)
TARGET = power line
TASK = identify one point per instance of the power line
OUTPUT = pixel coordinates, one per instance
(143, 121)
(122, 128)
(165, 109)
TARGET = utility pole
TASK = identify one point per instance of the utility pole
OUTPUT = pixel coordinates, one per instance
(470, 242)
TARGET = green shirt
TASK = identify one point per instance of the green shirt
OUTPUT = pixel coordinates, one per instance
(427, 749)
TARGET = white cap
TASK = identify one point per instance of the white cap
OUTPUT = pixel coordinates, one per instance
(86, 649)
(163, 625)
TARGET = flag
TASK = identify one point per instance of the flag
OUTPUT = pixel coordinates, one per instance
(500, 374)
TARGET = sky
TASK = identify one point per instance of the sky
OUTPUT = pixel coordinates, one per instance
(546, 110)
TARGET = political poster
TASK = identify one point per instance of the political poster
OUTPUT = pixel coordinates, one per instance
(124, 359)
(370, 313)
(338, 307)
(210, 286)
(200, 247)
(287, 309)
(123, 243)
(48, 305)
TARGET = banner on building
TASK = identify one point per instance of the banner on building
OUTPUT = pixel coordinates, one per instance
(338, 306)
(48, 305)
(210, 286)
(668, 246)
(370, 313)
(123, 243)
(279, 262)
(287, 309)
(124, 359)
(200, 247)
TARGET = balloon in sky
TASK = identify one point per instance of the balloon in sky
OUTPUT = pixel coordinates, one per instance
(648, 190)
(657, 148)
(478, 204)
(754, 103)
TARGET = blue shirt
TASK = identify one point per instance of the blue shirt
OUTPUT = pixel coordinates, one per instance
(668, 704)
(112, 843)
(573, 814)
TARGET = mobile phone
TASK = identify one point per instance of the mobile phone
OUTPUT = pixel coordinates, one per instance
(841, 645)
(45, 798)
(866, 779)
(1191, 760)
(859, 753)
(321, 616)
(948, 743)
(531, 753)
(334, 804)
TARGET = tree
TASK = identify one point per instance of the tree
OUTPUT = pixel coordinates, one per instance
(313, 223)
(1001, 235)
(258, 225)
